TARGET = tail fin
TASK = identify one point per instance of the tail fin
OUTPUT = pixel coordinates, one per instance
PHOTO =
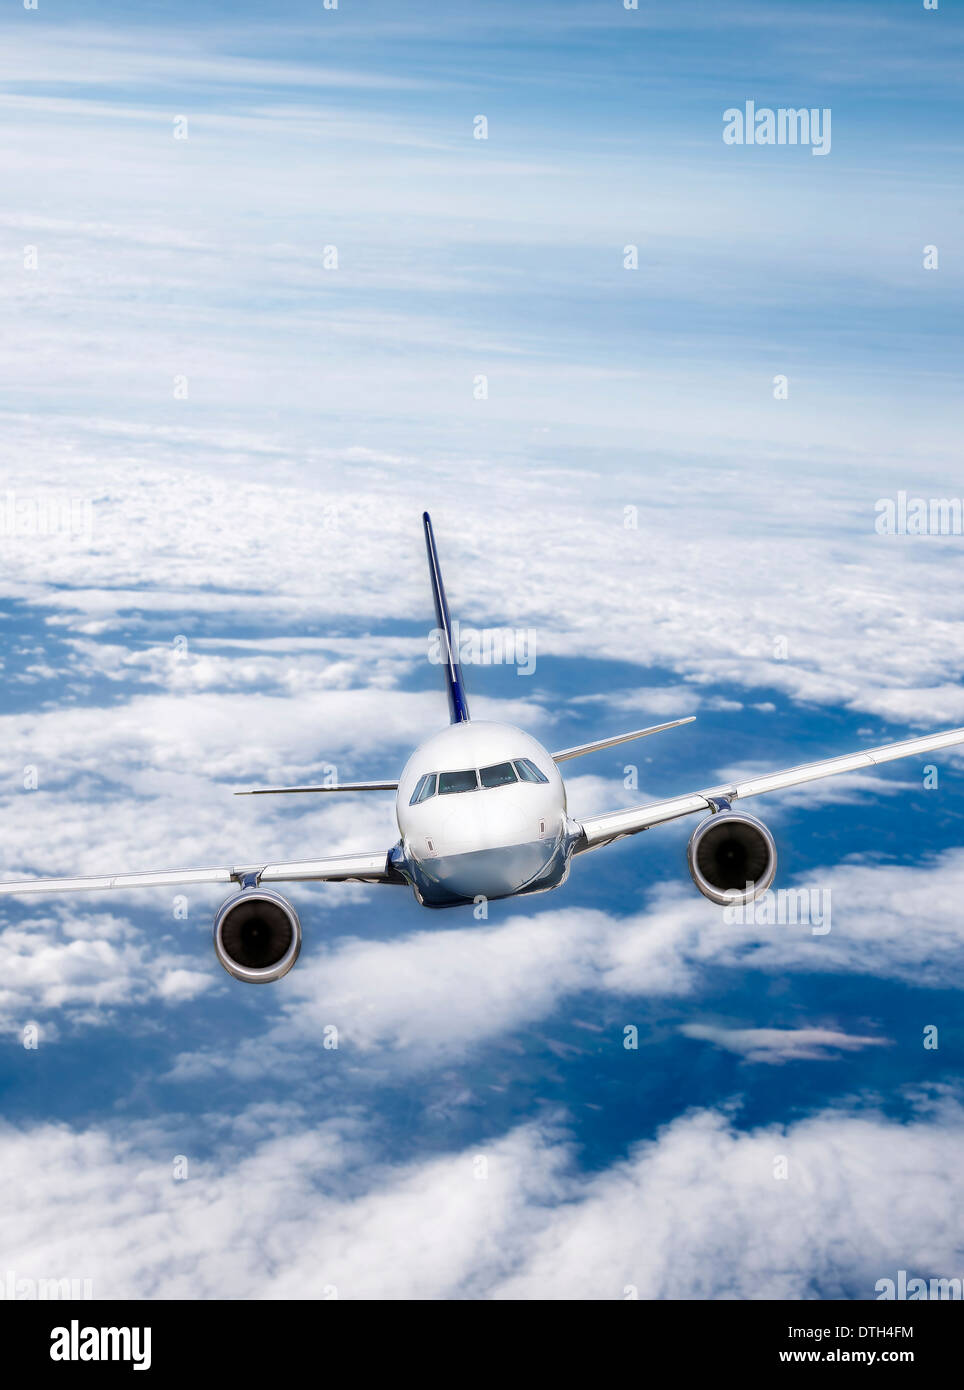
(458, 705)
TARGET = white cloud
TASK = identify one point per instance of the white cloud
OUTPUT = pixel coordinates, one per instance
(74, 968)
(781, 1044)
(297, 1212)
(173, 549)
(665, 700)
(177, 985)
(702, 1214)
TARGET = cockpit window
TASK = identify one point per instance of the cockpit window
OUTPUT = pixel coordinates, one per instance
(424, 788)
(449, 782)
(498, 775)
(528, 772)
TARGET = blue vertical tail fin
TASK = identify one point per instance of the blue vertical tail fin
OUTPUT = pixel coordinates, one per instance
(458, 705)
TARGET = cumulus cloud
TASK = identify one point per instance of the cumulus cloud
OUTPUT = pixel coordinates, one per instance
(75, 968)
(702, 1213)
(286, 1209)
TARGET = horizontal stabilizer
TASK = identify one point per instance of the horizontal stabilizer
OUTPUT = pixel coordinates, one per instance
(582, 748)
(338, 787)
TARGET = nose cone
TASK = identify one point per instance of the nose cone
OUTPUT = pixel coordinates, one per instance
(479, 853)
(486, 847)
(489, 873)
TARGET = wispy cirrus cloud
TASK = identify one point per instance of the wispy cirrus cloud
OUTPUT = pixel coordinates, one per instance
(778, 1045)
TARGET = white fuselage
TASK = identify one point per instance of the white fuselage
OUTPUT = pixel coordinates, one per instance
(466, 840)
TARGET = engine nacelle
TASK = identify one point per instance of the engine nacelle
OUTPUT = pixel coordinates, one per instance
(257, 936)
(726, 852)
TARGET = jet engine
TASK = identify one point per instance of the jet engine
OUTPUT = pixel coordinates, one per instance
(732, 857)
(257, 936)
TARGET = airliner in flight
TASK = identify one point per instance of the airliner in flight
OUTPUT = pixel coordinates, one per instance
(481, 812)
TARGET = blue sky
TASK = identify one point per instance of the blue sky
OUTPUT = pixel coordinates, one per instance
(269, 516)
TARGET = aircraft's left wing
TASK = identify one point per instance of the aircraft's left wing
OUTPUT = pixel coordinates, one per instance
(340, 868)
(600, 830)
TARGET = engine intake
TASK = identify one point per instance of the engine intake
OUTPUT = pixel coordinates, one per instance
(727, 852)
(257, 936)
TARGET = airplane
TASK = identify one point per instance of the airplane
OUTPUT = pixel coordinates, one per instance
(481, 813)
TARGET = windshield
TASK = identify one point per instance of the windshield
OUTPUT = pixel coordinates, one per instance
(528, 772)
(498, 775)
(449, 782)
(424, 788)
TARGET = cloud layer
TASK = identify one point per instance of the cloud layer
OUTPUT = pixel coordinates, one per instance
(706, 1210)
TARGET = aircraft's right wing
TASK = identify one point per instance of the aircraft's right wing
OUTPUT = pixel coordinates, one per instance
(600, 830)
(340, 868)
